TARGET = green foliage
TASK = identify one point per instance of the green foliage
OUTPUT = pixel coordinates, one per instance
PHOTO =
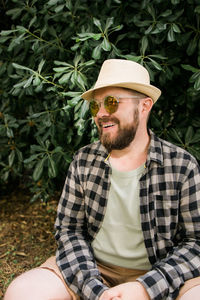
(51, 51)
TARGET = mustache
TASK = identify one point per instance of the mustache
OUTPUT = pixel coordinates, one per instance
(102, 120)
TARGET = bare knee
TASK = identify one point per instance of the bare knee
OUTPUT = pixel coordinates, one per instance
(193, 294)
(16, 288)
(37, 284)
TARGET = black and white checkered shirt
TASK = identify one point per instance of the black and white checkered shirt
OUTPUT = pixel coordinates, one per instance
(170, 219)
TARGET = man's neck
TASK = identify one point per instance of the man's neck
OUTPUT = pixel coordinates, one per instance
(133, 156)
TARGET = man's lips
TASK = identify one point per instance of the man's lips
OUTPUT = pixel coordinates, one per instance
(107, 123)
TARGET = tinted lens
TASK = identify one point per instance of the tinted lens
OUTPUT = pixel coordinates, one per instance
(111, 104)
(94, 108)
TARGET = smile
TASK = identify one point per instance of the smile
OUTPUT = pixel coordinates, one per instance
(108, 125)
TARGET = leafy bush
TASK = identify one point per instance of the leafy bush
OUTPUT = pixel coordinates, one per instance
(51, 52)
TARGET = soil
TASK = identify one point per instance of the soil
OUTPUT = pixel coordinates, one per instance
(26, 235)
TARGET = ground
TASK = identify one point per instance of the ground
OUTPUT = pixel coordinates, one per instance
(26, 235)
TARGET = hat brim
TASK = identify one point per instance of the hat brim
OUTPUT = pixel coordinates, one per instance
(149, 90)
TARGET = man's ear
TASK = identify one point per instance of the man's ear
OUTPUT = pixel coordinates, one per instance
(147, 104)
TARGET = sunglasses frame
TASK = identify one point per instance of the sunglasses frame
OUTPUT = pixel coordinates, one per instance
(114, 108)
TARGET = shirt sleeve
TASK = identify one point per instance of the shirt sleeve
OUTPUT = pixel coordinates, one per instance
(74, 255)
(183, 262)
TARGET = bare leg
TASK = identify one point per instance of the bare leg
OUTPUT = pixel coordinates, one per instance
(37, 284)
(192, 294)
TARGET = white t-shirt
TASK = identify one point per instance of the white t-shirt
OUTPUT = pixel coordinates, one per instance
(120, 240)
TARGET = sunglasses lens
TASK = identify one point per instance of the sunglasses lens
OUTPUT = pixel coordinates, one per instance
(111, 104)
(94, 108)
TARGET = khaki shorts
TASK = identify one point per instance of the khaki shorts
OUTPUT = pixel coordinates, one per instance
(113, 275)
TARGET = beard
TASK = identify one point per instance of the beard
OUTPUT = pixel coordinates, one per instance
(125, 134)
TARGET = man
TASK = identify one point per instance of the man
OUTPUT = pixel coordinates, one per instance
(128, 222)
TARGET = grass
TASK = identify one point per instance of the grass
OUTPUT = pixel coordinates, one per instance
(26, 235)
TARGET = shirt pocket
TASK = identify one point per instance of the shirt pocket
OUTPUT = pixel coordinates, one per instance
(166, 216)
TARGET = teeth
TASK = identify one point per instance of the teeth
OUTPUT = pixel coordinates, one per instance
(108, 125)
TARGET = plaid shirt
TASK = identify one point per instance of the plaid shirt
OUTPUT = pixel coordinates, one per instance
(170, 219)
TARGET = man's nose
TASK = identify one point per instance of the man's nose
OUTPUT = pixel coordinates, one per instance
(102, 111)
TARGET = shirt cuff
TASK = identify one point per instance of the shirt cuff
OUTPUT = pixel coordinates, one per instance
(93, 289)
(155, 284)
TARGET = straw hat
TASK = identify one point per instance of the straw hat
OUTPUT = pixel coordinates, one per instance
(124, 73)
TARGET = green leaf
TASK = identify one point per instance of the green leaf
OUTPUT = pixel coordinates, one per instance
(15, 12)
(159, 28)
(36, 81)
(116, 28)
(84, 109)
(109, 23)
(21, 29)
(4, 39)
(33, 20)
(36, 115)
(195, 138)
(155, 64)
(9, 132)
(59, 8)
(96, 53)
(155, 121)
(5, 176)
(171, 35)
(176, 28)
(81, 79)
(197, 83)
(87, 35)
(11, 158)
(97, 23)
(72, 94)
(74, 77)
(62, 63)
(77, 60)
(7, 32)
(149, 29)
(195, 76)
(19, 155)
(41, 64)
(192, 46)
(52, 2)
(188, 135)
(132, 57)
(28, 82)
(166, 13)
(31, 158)
(195, 151)
(61, 69)
(20, 67)
(20, 84)
(151, 10)
(58, 149)
(176, 136)
(37, 173)
(65, 78)
(198, 59)
(87, 63)
(144, 44)
(106, 46)
(189, 68)
(197, 9)
(157, 56)
(52, 172)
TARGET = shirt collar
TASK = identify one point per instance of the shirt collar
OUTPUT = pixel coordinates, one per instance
(155, 152)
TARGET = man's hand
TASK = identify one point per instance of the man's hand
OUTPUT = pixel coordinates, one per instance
(126, 291)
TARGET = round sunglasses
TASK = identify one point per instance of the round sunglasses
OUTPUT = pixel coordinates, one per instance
(111, 104)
